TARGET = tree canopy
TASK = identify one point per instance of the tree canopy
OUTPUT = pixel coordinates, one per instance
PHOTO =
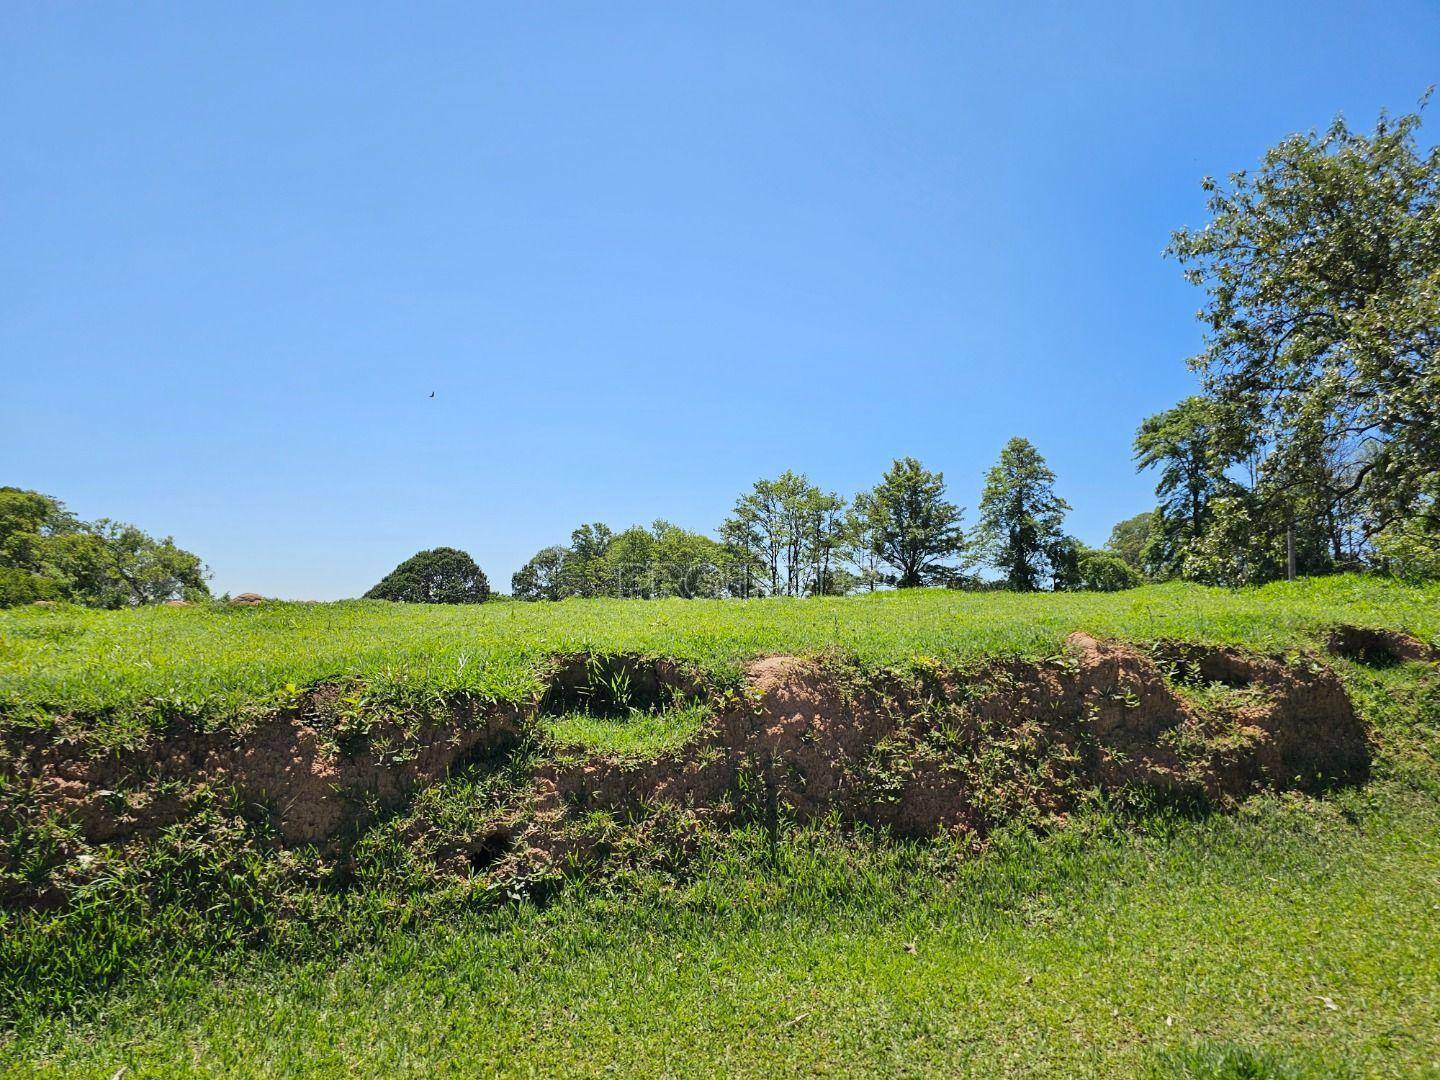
(912, 527)
(46, 553)
(442, 575)
(1021, 519)
(1320, 416)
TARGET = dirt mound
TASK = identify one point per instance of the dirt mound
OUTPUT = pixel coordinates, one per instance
(937, 750)
(915, 751)
(1379, 648)
(293, 769)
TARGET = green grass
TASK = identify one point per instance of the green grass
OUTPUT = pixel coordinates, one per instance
(1293, 938)
(638, 735)
(143, 665)
(1109, 949)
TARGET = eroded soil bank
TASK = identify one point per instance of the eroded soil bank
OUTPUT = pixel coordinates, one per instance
(913, 752)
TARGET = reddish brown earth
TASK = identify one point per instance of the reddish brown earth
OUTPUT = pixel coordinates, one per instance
(965, 750)
(284, 767)
(917, 752)
(1366, 645)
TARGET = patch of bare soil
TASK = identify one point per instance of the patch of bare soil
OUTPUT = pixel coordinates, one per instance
(288, 770)
(1379, 648)
(936, 750)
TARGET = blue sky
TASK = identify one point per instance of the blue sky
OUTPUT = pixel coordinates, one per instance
(642, 255)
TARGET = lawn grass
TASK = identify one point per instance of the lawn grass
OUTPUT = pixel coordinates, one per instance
(149, 664)
(635, 736)
(1114, 948)
(1296, 937)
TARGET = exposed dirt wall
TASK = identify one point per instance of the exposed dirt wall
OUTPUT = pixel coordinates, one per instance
(918, 751)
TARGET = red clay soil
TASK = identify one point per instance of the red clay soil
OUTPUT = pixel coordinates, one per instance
(965, 750)
(916, 753)
(283, 769)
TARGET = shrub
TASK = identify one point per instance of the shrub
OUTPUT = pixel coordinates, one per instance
(1100, 571)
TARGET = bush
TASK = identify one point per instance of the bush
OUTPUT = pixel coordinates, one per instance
(441, 575)
(1099, 571)
(22, 587)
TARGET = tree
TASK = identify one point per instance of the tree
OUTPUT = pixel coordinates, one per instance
(1322, 275)
(859, 546)
(1192, 446)
(442, 575)
(135, 568)
(911, 526)
(687, 564)
(543, 577)
(758, 525)
(30, 526)
(791, 530)
(1021, 518)
(584, 568)
(822, 535)
(46, 553)
(1128, 539)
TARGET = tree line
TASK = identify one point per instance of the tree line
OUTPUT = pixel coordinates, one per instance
(789, 537)
(1312, 446)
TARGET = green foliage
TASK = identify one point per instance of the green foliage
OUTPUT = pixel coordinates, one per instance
(637, 563)
(1321, 366)
(543, 577)
(1410, 550)
(25, 587)
(440, 575)
(790, 532)
(1100, 571)
(46, 553)
(1129, 537)
(1192, 446)
(1021, 529)
(911, 526)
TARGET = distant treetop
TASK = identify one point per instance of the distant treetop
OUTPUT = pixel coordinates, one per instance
(442, 575)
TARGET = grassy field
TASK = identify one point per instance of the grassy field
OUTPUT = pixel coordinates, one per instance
(1293, 938)
(212, 662)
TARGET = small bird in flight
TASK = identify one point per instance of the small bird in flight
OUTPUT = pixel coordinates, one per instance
(432, 393)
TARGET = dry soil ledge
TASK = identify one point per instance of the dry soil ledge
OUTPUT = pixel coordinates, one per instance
(915, 753)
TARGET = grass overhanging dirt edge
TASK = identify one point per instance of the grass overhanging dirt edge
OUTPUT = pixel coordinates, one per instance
(663, 839)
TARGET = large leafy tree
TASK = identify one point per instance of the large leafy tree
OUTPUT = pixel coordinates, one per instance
(46, 553)
(1192, 446)
(442, 575)
(1021, 529)
(543, 577)
(911, 526)
(1322, 274)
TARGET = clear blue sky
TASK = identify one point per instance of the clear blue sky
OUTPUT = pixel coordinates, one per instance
(642, 254)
